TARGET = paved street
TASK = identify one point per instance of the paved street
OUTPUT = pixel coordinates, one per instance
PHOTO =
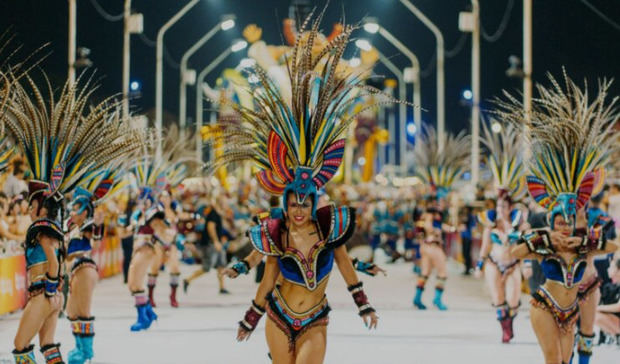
(202, 330)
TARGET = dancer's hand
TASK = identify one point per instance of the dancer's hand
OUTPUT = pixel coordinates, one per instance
(243, 334)
(573, 242)
(478, 273)
(228, 272)
(376, 270)
(558, 240)
(371, 320)
(55, 302)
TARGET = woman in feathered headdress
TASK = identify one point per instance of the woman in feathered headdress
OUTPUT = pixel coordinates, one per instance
(154, 175)
(502, 225)
(65, 144)
(86, 229)
(182, 163)
(570, 138)
(438, 169)
(298, 146)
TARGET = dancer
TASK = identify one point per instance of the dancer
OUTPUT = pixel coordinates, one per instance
(181, 164)
(153, 175)
(438, 168)
(503, 225)
(589, 288)
(63, 145)
(297, 147)
(86, 229)
(570, 138)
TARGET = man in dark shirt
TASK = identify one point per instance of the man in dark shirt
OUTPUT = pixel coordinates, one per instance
(210, 246)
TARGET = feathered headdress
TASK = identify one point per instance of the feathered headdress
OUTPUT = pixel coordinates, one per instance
(570, 137)
(177, 162)
(439, 168)
(64, 140)
(505, 161)
(6, 151)
(297, 145)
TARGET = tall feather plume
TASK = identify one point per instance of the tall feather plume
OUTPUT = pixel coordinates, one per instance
(177, 162)
(504, 158)
(441, 167)
(319, 113)
(67, 131)
(570, 133)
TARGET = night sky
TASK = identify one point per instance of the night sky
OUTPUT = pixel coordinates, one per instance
(566, 33)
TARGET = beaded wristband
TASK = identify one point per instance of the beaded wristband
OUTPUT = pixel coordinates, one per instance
(360, 299)
(51, 285)
(242, 267)
(363, 267)
(252, 317)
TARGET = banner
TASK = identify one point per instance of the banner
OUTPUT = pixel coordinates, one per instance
(108, 256)
(12, 283)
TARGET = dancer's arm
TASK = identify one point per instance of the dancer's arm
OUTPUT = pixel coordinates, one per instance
(355, 287)
(257, 310)
(609, 308)
(213, 235)
(485, 249)
(244, 266)
(52, 275)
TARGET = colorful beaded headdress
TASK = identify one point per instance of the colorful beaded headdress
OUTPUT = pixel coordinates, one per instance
(298, 145)
(66, 141)
(439, 168)
(505, 161)
(571, 138)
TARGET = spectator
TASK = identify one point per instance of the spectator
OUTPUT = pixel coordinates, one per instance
(468, 224)
(212, 251)
(614, 203)
(15, 184)
(608, 312)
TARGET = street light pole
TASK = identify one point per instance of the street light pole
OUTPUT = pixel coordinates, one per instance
(402, 94)
(186, 56)
(527, 59)
(199, 80)
(475, 89)
(159, 70)
(126, 58)
(441, 122)
(415, 64)
(72, 42)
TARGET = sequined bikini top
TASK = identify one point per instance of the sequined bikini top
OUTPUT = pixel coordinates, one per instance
(488, 218)
(555, 268)
(335, 227)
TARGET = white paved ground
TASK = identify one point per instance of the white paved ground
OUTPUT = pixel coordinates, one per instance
(202, 330)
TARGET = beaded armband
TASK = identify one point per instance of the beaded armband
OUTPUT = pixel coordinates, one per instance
(360, 299)
(363, 267)
(538, 241)
(480, 263)
(242, 267)
(593, 239)
(51, 285)
(252, 317)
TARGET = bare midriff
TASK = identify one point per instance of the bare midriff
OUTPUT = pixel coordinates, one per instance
(299, 298)
(562, 295)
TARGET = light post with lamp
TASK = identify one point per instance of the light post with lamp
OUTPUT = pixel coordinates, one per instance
(189, 78)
